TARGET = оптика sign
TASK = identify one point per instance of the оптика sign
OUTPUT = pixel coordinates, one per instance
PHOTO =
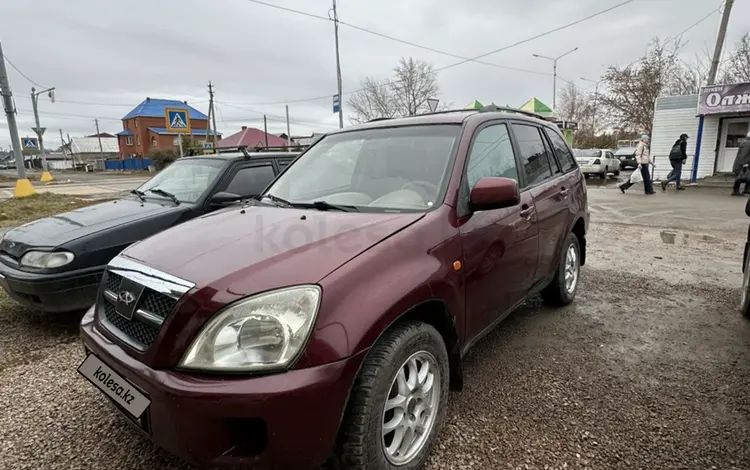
(725, 99)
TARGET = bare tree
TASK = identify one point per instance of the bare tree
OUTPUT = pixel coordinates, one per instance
(633, 90)
(375, 100)
(574, 104)
(737, 65)
(406, 94)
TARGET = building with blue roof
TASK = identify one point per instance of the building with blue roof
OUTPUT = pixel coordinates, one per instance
(144, 128)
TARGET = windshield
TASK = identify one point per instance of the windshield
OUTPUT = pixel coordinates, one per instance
(397, 169)
(625, 152)
(186, 179)
(587, 153)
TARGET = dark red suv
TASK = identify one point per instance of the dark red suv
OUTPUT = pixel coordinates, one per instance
(326, 320)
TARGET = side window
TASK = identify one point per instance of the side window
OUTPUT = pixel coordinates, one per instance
(536, 164)
(563, 152)
(251, 180)
(491, 155)
(554, 165)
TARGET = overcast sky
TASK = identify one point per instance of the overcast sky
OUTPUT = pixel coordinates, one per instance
(114, 54)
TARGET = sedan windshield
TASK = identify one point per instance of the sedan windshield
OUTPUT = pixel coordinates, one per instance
(585, 154)
(186, 179)
(394, 169)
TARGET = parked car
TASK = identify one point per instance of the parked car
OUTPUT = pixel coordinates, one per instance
(327, 319)
(597, 162)
(626, 156)
(55, 264)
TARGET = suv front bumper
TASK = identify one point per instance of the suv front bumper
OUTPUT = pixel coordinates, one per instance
(285, 420)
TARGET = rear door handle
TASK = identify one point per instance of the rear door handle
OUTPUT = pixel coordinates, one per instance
(526, 213)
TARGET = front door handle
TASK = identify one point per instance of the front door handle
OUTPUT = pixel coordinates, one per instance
(564, 192)
(526, 213)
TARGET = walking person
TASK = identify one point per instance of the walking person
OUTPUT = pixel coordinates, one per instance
(740, 167)
(643, 158)
(677, 158)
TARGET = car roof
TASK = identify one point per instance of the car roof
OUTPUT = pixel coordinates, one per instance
(449, 117)
(239, 155)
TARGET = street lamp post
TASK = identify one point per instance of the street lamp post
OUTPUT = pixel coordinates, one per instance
(596, 101)
(554, 73)
(39, 130)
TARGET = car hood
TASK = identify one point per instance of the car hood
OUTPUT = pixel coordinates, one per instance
(63, 228)
(247, 250)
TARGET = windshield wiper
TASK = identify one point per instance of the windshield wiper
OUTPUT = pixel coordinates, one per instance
(166, 194)
(318, 205)
(138, 193)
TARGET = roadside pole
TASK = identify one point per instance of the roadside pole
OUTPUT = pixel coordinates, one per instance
(288, 132)
(265, 129)
(39, 130)
(719, 43)
(98, 135)
(179, 141)
(65, 152)
(338, 64)
(23, 185)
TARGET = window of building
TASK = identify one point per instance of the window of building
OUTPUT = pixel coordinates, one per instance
(137, 140)
(491, 155)
(154, 141)
(128, 140)
(136, 123)
(251, 181)
(536, 164)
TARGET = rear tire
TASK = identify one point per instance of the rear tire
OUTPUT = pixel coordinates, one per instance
(562, 290)
(386, 376)
(604, 175)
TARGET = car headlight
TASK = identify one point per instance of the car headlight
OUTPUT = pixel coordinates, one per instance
(262, 332)
(46, 259)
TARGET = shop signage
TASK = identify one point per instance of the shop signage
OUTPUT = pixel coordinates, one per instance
(720, 99)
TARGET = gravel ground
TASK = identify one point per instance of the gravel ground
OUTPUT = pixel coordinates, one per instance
(647, 369)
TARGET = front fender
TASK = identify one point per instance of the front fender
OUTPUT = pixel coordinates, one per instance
(364, 297)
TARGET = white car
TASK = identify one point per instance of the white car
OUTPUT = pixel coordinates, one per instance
(597, 162)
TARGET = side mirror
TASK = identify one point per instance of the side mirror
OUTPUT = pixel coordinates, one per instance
(494, 193)
(223, 198)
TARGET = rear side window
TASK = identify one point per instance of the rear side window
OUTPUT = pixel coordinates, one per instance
(251, 181)
(564, 156)
(491, 155)
(536, 162)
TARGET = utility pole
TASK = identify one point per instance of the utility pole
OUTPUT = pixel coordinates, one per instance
(554, 73)
(62, 143)
(338, 65)
(101, 149)
(212, 113)
(288, 132)
(39, 130)
(23, 186)
(265, 129)
(596, 102)
(719, 42)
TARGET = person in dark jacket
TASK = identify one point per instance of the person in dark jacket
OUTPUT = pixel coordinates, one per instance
(742, 160)
(677, 158)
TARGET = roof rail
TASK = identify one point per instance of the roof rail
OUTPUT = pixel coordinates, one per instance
(494, 108)
(379, 119)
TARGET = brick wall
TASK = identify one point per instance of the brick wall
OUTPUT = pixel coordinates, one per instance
(141, 138)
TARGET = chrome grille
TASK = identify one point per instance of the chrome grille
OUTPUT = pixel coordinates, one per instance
(160, 294)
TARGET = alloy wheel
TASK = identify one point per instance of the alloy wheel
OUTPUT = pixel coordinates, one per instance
(411, 408)
(571, 269)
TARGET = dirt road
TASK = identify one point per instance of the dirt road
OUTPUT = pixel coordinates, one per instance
(649, 368)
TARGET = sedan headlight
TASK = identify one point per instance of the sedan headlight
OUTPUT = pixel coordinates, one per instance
(46, 259)
(261, 332)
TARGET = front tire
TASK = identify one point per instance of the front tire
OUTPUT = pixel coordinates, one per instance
(745, 295)
(398, 402)
(562, 290)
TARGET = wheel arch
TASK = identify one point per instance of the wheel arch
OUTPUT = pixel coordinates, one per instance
(579, 230)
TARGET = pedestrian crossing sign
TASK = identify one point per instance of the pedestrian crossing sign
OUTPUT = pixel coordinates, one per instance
(178, 119)
(30, 143)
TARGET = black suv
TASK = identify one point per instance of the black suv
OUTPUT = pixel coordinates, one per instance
(55, 264)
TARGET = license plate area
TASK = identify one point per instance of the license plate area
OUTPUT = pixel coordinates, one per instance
(125, 396)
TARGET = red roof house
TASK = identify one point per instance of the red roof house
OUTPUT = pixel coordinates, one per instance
(251, 138)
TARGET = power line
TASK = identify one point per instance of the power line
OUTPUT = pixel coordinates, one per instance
(7, 59)
(271, 117)
(463, 61)
(291, 10)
